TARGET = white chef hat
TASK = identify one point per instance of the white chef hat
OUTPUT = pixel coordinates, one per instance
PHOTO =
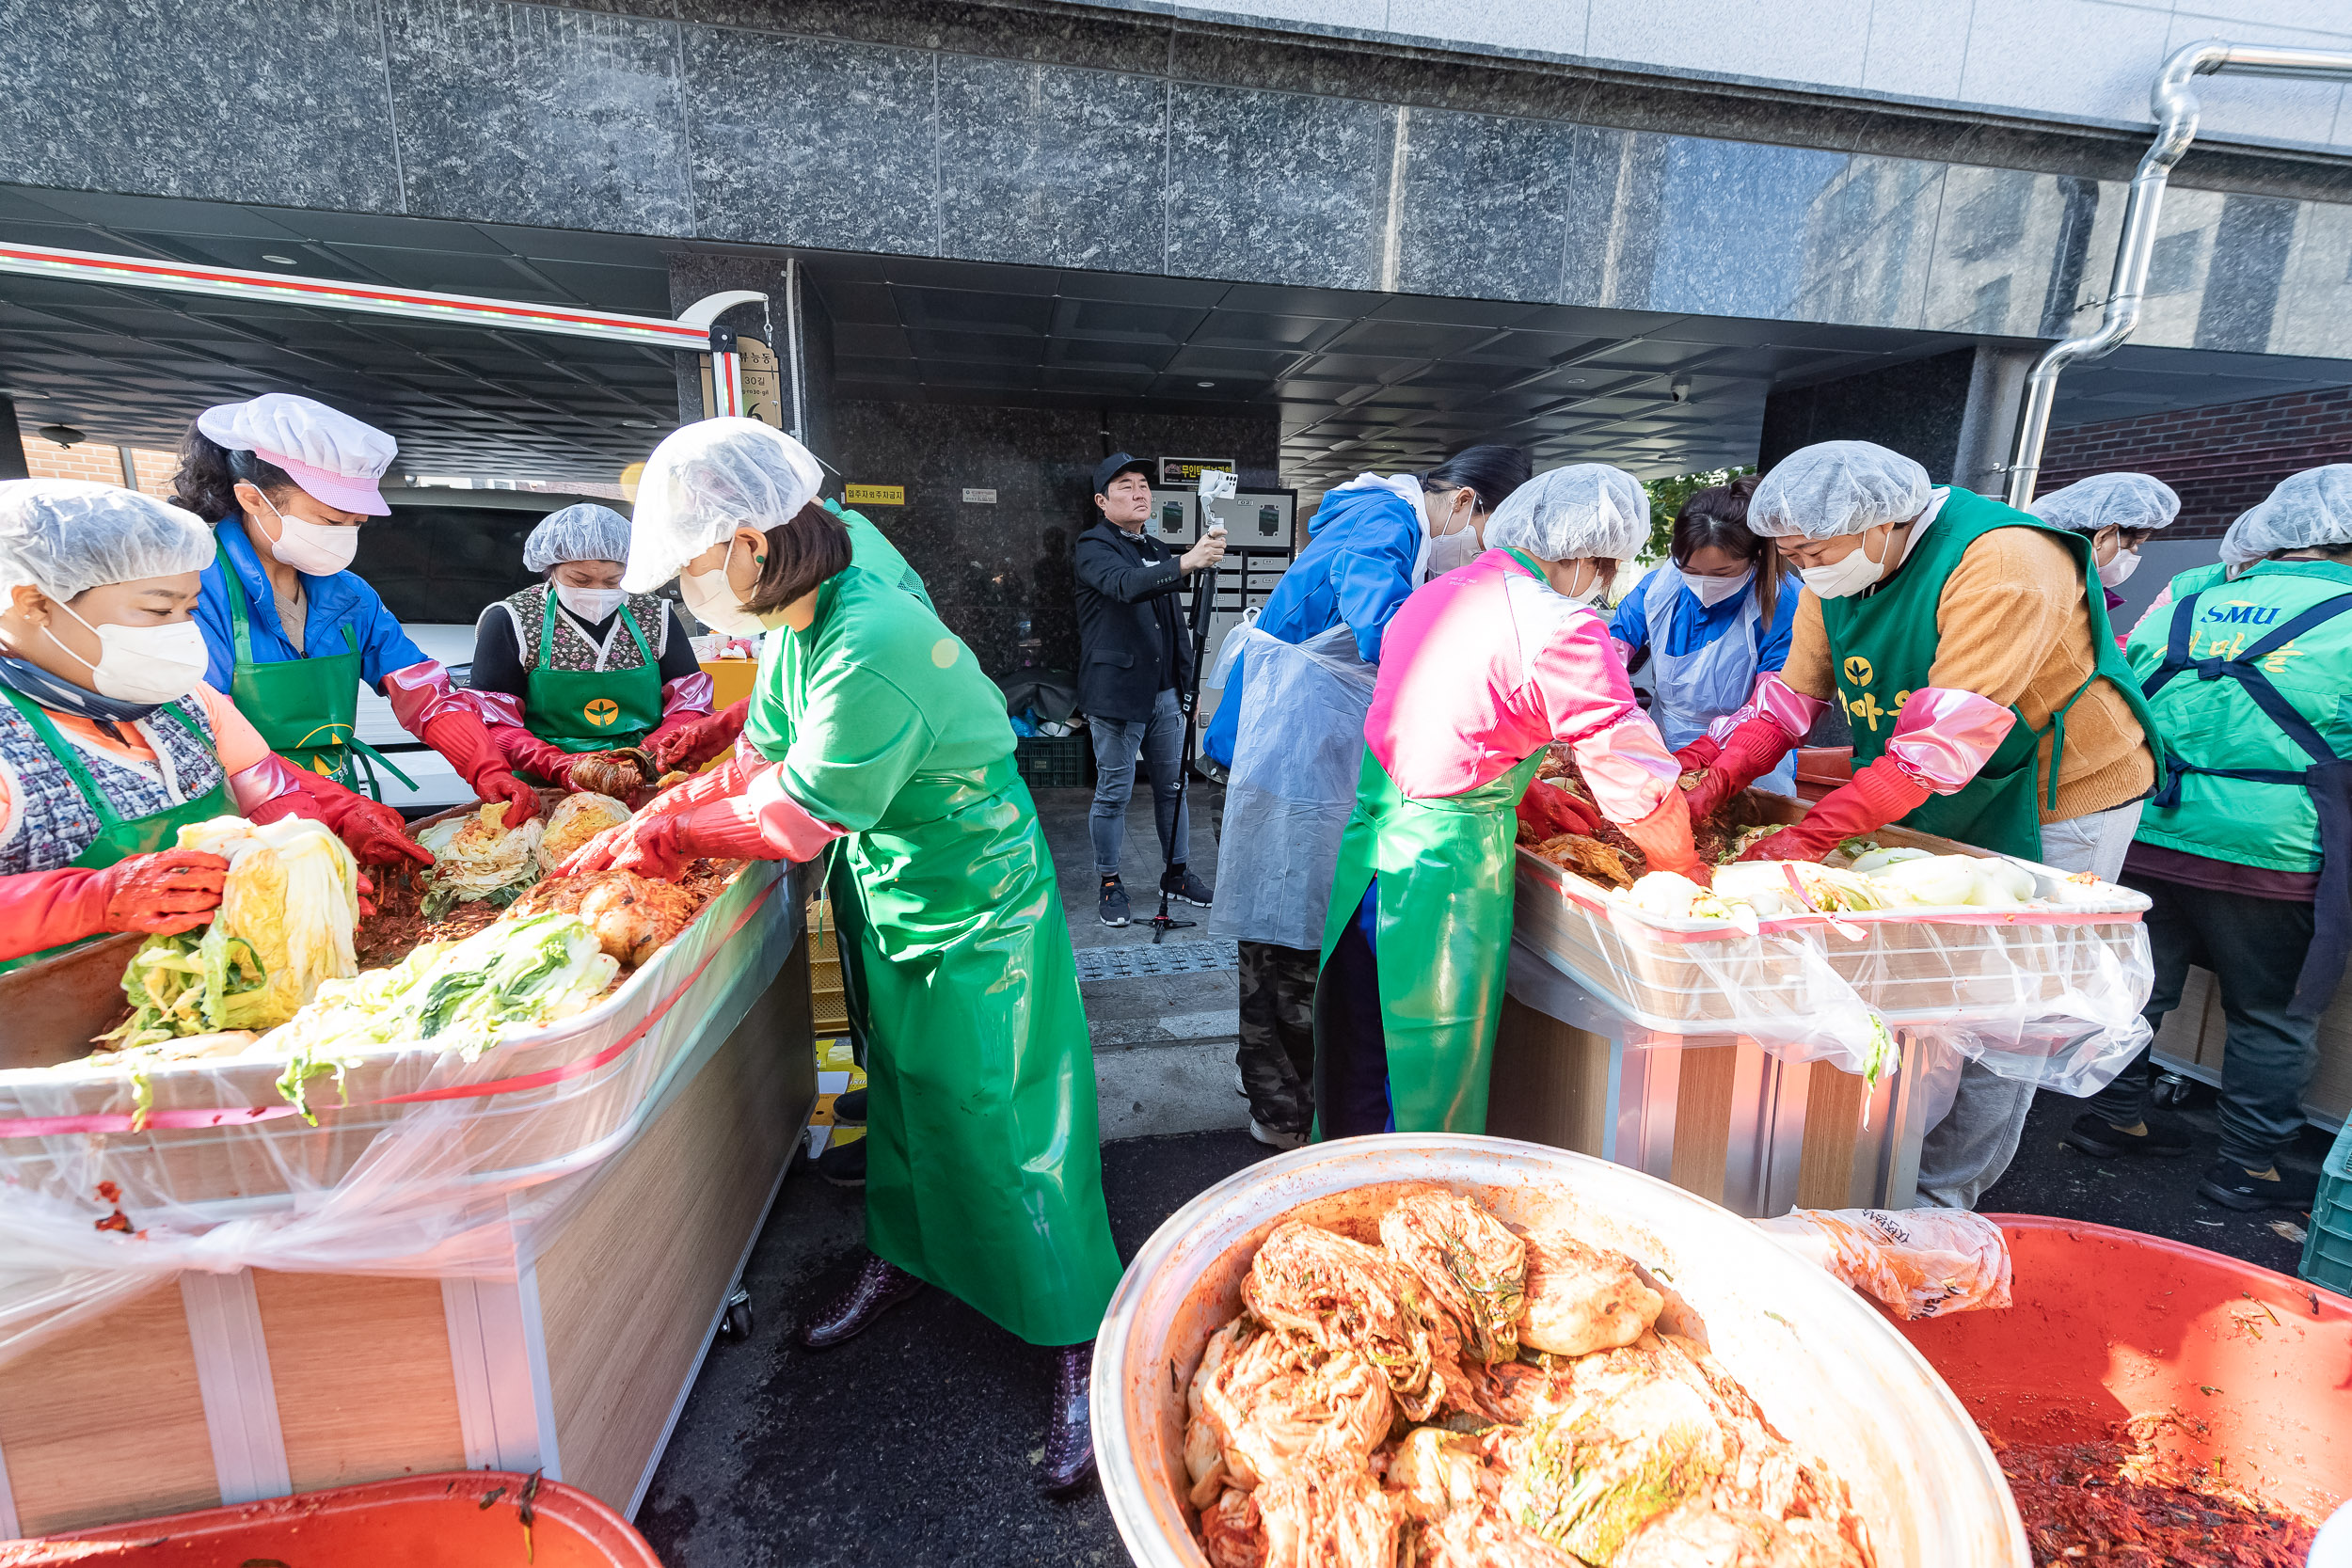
(705, 481)
(2136, 502)
(2309, 509)
(582, 532)
(334, 457)
(65, 536)
(1834, 488)
(1585, 510)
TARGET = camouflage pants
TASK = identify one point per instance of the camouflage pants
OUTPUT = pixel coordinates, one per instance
(1276, 1057)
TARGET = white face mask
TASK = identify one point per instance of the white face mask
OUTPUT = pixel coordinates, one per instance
(1714, 591)
(712, 599)
(143, 664)
(1591, 591)
(2113, 573)
(313, 548)
(1844, 578)
(590, 604)
(1449, 551)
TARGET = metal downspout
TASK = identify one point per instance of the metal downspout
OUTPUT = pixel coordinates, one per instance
(2175, 107)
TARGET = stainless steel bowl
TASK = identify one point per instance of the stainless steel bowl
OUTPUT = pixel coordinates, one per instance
(1834, 1377)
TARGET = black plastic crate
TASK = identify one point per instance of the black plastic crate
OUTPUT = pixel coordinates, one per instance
(1054, 761)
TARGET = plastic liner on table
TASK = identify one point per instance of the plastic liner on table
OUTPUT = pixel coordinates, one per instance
(425, 1164)
(2050, 996)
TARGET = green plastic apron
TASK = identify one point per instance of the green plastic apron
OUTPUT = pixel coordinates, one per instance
(1445, 871)
(983, 1153)
(119, 838)
(592, 710)
(1883, 648)
(304, 708)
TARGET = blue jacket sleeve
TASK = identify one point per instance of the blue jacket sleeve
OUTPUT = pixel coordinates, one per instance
(1371, 580)
(384, 646)
(1630, 624)
(1771, 649)
(211, 613)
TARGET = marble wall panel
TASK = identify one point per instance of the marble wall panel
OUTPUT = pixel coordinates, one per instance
(813, 141)
(1056, 34)
(1046, 161)
(1272, 188)
(198, 97)
(526, 114)
(1485, 205)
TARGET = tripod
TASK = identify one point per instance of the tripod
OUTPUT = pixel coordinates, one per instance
(1197, 627)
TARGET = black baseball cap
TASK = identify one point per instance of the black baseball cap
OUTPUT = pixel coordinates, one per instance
(1116, 463)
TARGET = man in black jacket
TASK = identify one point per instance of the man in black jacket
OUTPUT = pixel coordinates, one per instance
(1134, 656)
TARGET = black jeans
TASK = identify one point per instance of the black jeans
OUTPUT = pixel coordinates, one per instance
(2254, 947)
(1277, 1053)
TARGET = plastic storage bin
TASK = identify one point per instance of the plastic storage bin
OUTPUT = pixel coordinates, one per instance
(2328, 1250)
(1052, 761)
(481, 1518)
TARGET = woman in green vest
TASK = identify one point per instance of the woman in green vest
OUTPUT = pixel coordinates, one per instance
(2247, 851)
(291, 631)
(1988, 700)
(582, 667)
(110, 740)
(985, 1174)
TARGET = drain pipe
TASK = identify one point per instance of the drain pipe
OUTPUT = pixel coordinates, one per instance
(2175, 107)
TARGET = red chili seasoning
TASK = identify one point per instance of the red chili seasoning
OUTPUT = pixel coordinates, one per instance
(2109, 1503)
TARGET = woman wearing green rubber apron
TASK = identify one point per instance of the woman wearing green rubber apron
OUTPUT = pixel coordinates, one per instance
(985, 1175)
(1482, 670)
(576, 666)
(1988, 699)
(291, 633)
(110, 741)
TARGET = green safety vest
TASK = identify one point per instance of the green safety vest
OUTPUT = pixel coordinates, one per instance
(1883, 646)
(2245, 678)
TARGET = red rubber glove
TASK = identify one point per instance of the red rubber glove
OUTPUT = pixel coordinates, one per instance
(1698, 756)
(685, 747)
(660, 845)
(459, 734)
(172, 891)
(523, 751)
(1877, 794)
(1548, 811)
(1664, 839)
(1748, 752)
(374, 831)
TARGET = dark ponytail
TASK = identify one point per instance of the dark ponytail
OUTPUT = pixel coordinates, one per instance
(1491, 472)
(206, 484)
(1718, 516)
(802, 554)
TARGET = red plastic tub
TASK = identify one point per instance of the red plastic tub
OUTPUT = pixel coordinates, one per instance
(468, 1519)
(1822, 768)
(2111, 1324)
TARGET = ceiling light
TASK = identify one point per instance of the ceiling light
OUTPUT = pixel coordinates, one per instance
(64, 435)
(273, 259)
(1205, 382)
(638, 424)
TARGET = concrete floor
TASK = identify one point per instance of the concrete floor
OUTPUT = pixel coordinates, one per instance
(914, 1444)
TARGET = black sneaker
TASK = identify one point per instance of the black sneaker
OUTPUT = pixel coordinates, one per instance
(1181, 886)
(2100, 1138)
(1113, 910)
(849, 1108)
(2226, 1182)
(844, 1164)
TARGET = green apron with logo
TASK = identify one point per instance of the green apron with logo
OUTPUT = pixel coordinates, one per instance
(119, 838)
(304, 708)
(591, 710)
(1883, 646)
(1445, 871)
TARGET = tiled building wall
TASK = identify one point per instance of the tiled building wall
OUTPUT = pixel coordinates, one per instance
(2221, 459)
(98, 462)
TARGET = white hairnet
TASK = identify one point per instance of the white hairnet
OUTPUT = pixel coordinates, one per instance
(2314, 507)
(2139, 501)
(582, 532)
(65, 536)
(1834, 488)
(1585, 509)
(705, 481)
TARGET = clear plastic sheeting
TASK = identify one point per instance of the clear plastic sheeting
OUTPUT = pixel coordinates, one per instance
(1286, 803)
(425, 1166)
(2047, 996)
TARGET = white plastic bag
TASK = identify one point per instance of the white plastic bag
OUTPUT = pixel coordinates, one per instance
(1297, 751)
(1918, 1263)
